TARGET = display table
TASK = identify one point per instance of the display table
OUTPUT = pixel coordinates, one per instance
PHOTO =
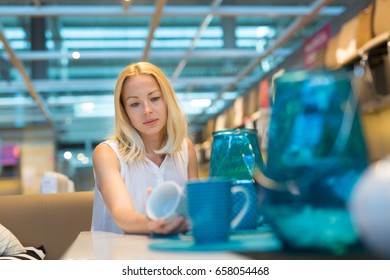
(261, 245)
(110, 246)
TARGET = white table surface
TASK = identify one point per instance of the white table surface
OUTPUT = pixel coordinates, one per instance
(94, 245)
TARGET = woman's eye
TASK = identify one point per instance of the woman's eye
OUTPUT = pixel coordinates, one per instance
(134, 104)
(155, 98)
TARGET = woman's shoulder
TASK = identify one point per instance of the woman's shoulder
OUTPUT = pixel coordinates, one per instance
(105, 158)
(189, 143)
(192, 161)
(105, 149)
(110, 142)
(187, 148)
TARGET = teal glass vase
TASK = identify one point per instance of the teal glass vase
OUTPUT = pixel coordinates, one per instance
(235, 153)
(316, 153)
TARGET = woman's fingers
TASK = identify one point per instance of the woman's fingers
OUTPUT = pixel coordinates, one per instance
(155, 226)
(176, 226)
(172, 227)
(180, 227)
(184, 227)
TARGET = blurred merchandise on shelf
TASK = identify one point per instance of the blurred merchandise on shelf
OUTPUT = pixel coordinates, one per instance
(262, 125)
(9, 155)
(54, 182)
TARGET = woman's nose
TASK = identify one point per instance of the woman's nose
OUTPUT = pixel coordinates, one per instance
(147, 108)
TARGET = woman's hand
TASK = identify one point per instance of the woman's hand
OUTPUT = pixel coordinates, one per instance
(164, 227)
(179, 225)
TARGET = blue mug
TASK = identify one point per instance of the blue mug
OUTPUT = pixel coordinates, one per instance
(210, 209)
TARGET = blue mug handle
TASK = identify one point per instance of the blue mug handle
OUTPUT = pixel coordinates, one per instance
(237, 219)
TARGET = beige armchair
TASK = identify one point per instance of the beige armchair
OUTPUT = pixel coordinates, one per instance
(51, 220)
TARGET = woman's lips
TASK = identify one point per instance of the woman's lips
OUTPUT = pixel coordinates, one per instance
(150, 122)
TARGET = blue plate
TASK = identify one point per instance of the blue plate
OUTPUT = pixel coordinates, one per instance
(238, 242)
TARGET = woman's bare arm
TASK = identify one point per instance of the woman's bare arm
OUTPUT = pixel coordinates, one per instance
(118, 200)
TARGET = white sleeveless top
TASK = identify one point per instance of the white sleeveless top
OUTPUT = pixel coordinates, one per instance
(138, 176)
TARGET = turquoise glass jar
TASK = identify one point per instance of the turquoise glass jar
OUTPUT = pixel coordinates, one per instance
(235, 153)
(316, 153)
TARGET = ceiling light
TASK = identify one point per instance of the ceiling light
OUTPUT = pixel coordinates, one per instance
(80, 156)
(136, 44)
(135, 32)
(15, 33)
(200, 102)
(265, 31)
(260, 46)
(252, 32)
(87, 106)
(76, 55)
(67, 155)
(17, 45)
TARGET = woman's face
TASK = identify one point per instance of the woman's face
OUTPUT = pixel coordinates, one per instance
(144, 104)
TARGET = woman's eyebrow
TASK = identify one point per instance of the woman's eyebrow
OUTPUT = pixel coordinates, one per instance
(157, 90)
(128, 97)
(150, 93)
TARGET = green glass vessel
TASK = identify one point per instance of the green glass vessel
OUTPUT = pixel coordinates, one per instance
(316, 153)
(235, 153)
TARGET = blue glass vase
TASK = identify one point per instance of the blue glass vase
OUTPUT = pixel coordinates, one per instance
(316, 153)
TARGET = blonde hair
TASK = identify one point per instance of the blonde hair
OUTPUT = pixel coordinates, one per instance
(130, 142)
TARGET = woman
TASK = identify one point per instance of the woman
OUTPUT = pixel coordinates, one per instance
(150, 145)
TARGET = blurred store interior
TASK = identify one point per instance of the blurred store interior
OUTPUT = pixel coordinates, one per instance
(59, 61)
